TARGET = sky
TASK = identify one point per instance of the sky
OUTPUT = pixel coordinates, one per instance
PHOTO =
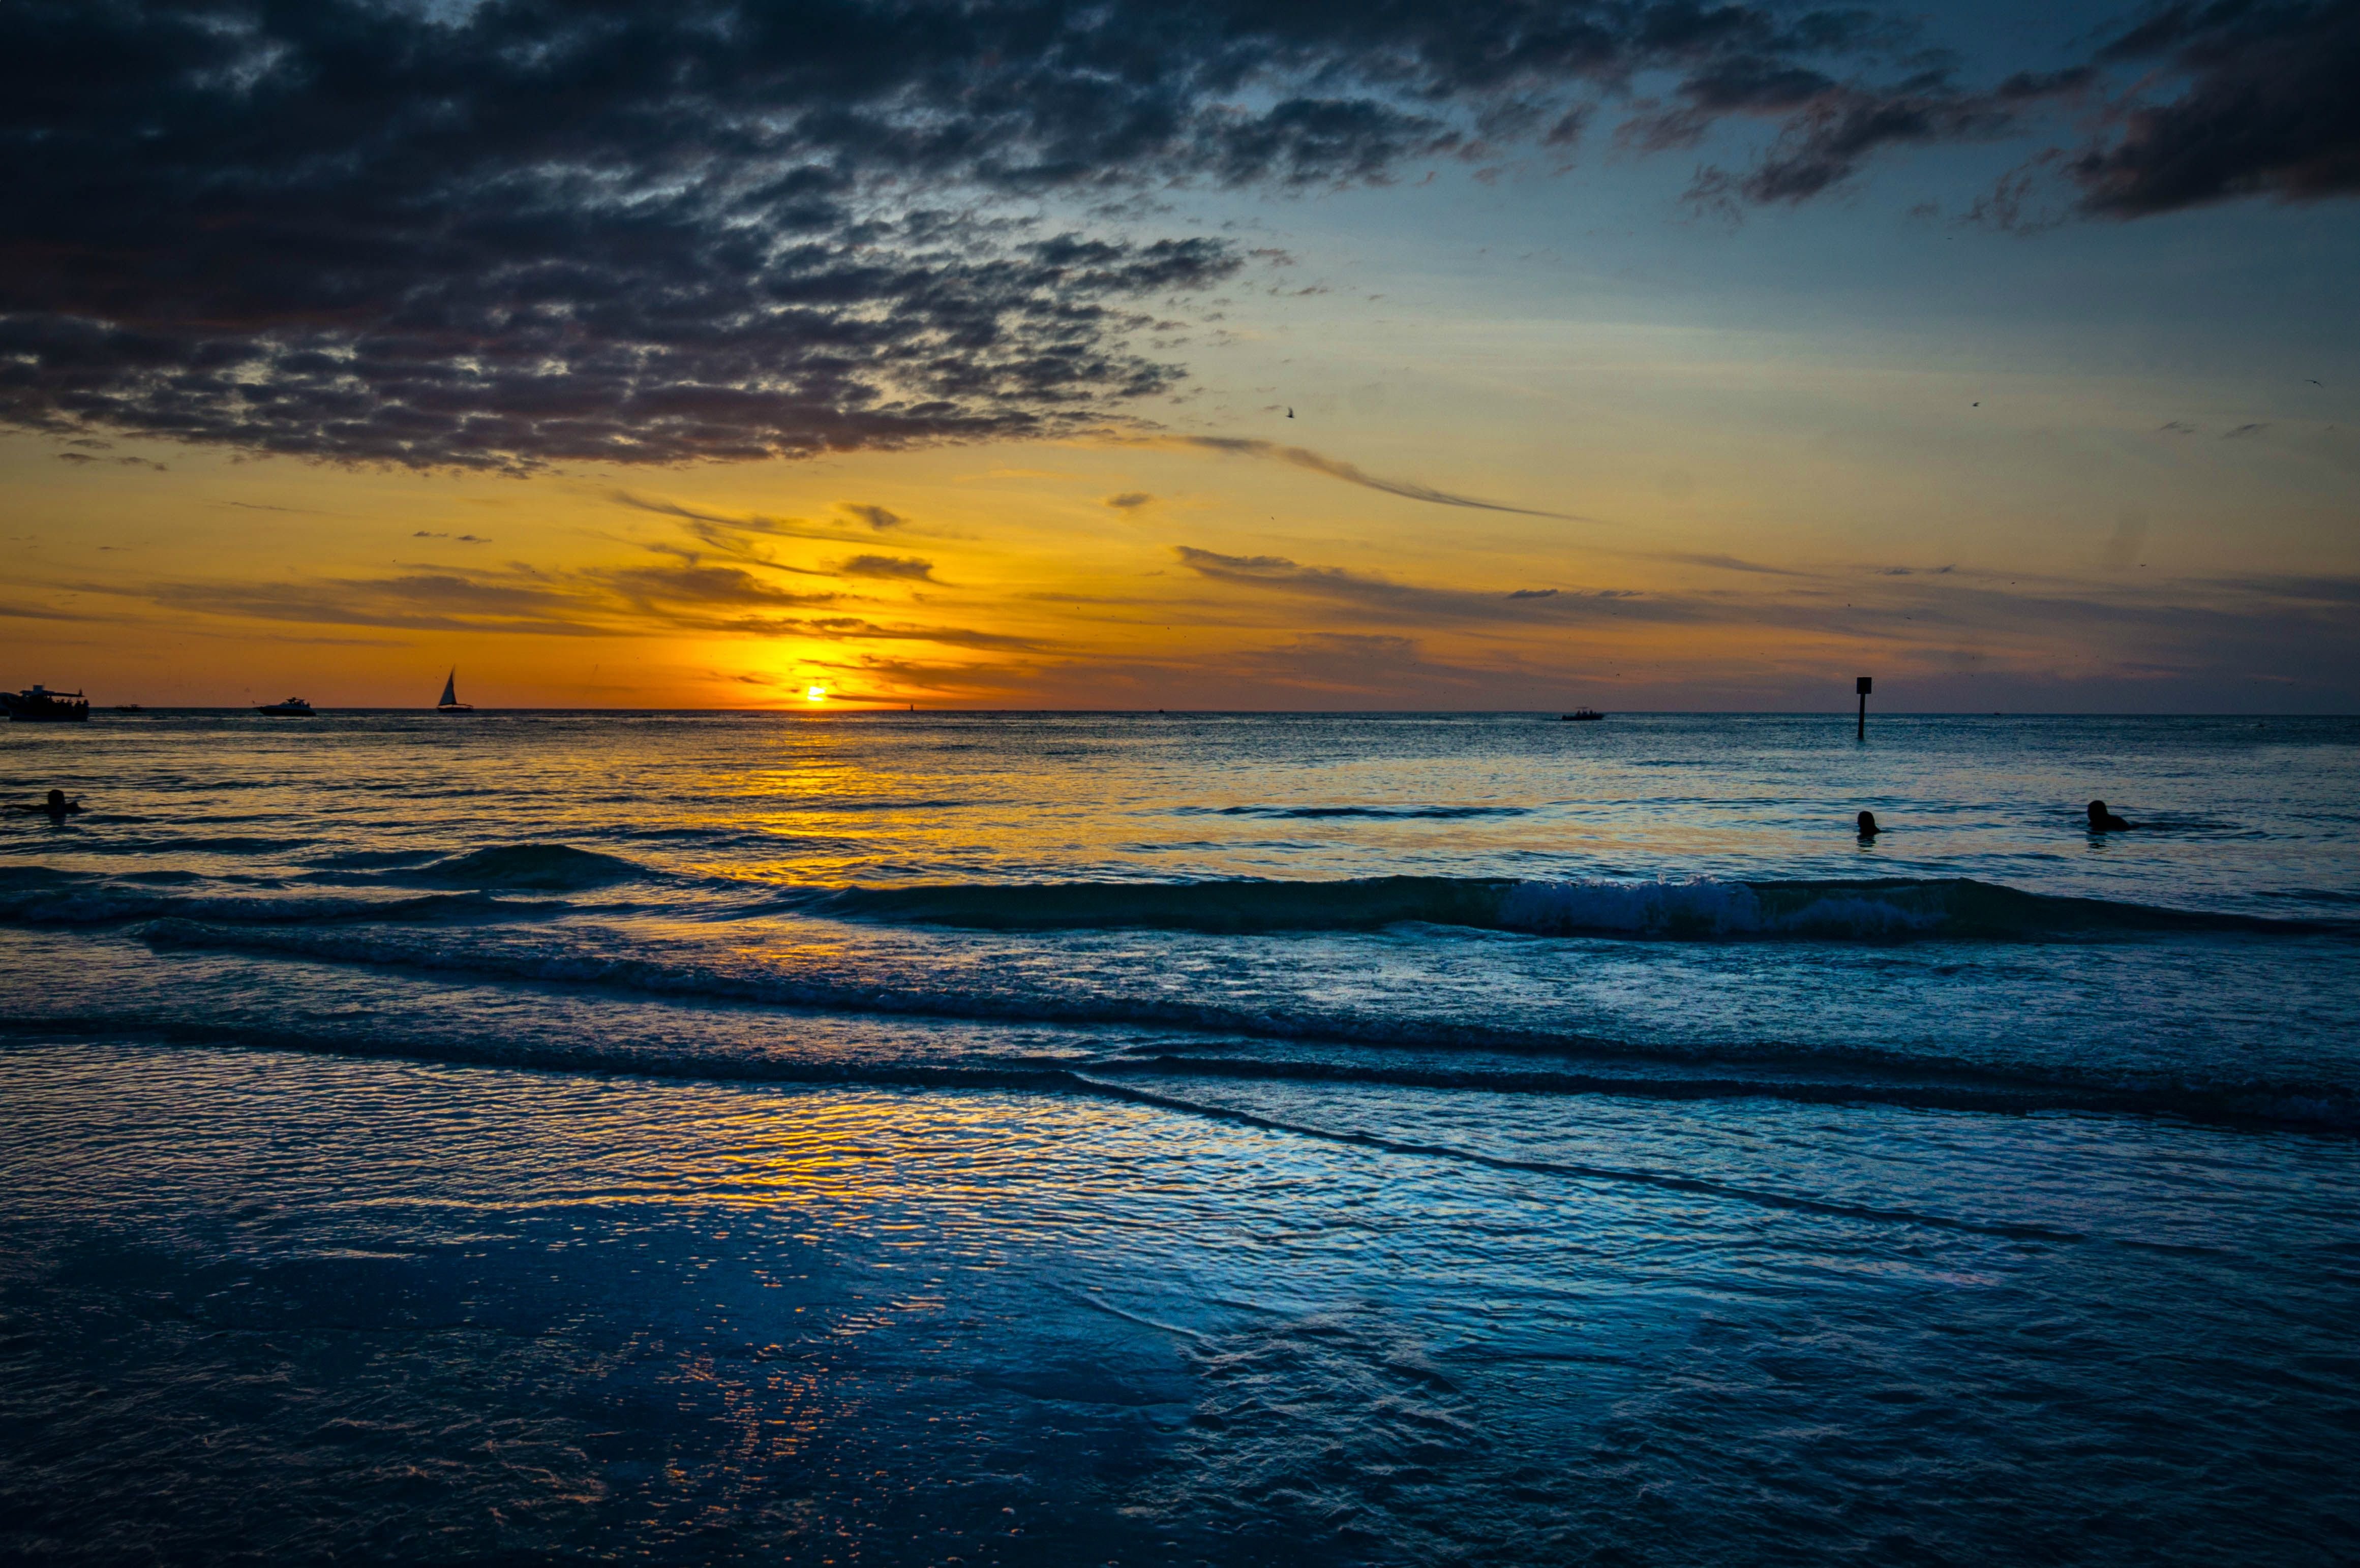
(1294, 355)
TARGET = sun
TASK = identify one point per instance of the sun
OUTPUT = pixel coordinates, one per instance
(815, 694)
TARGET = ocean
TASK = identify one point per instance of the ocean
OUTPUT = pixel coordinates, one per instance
(1141, 1138)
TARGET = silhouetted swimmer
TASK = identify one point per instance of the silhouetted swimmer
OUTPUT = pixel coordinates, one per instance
(56, 806)
(1867, 826)
(2105, 821)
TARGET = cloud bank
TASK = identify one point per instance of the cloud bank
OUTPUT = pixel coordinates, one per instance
(508, 233)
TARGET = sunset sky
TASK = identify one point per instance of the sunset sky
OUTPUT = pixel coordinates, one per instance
(1642, 355)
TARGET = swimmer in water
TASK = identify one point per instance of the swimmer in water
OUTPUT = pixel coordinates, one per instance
(2105, 821)
(56, 806)
(1867, 826)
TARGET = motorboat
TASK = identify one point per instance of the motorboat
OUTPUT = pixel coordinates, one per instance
(1581, 715)
(39, 704)
(450, 703)
(293, 708)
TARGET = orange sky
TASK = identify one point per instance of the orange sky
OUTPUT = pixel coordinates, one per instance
(1696, 515)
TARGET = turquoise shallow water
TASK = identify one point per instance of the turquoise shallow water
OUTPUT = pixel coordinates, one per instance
(1178, 1138)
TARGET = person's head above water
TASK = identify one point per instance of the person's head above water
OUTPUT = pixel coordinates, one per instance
(57, 797)
(2101, 819)
(1868, 824)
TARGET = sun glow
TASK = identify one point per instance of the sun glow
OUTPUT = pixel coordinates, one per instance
(815, 694)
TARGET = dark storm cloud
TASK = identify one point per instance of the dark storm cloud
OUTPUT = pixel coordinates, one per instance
(512, 233)
(2268, 107)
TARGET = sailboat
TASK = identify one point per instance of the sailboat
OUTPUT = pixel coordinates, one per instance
(450, 703)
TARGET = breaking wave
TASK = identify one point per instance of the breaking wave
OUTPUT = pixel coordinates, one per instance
(529, 868)
(1877, 910)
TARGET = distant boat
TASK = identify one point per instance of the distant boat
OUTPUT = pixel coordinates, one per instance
(1581, 715)
(450, 703)
(39, 704)
(293, 708)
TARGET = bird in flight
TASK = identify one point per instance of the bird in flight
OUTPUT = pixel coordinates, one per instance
(1290, 413)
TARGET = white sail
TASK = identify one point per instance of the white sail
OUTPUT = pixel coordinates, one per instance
(450, 689)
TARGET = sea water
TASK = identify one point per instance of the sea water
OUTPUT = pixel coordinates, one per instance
(1180, 1139)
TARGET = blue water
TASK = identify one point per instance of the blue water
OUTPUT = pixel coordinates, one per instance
(1073, 1138)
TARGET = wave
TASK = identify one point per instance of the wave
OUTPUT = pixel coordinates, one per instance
(1379, 813)
(133, 844)
(1878, 910)
(1834, 1074)
(373, 859)
(529, 868)
(1152, 1078)
(39, 896)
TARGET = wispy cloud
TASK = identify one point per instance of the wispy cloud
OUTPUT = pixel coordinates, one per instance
(1350, 474)
(1721, 562)
(1413, 604)
(740, 523)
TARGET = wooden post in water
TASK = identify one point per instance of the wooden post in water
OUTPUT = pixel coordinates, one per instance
(1860, 686)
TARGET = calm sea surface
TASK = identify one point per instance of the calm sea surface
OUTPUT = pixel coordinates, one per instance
(1179, 1138)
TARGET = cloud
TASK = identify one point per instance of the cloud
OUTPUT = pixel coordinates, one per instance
(904, 568)
(2267, 109)
(1831, 129)
(699, 585)
(722, 530)
(456, 538)
(512, 235)
(1334, 468)
(877, 518)
(416, 601)
(1413, 604)
(625, 602)
(1129, 500)
(1723, 562)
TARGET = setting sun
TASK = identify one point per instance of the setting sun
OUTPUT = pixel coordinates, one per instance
(815, 694)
